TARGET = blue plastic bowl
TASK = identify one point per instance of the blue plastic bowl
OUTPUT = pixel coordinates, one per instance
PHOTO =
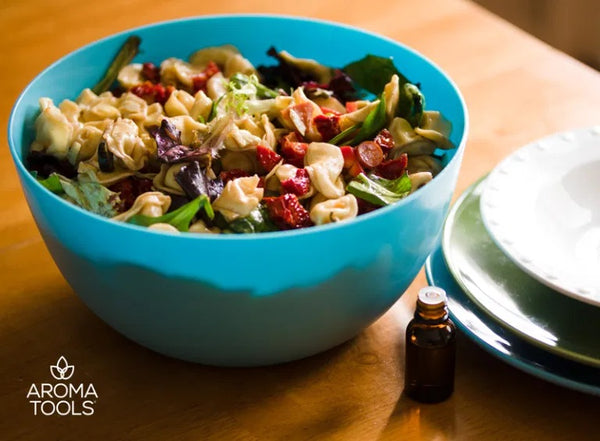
(241, 300)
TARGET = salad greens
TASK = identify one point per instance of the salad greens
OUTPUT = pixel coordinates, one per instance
(180, 218)
(367, 129)
(258, 221)
(411, 104)
(125, 55)
(276, 126)
(380, 191)
(373, 72)
(89, 195)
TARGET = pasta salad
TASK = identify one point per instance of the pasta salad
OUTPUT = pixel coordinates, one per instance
(216, 145)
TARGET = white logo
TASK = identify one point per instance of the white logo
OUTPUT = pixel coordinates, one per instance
(62, 398)
(62, 370)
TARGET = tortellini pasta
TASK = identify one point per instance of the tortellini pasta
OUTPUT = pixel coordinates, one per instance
(347, 120)
(123, 140)
(240, 196)
(324, 163)
(300, 114)
(179, 103)
(165, 179)
(54, 132)
(152, 204)
(131, 75)
(334, 210)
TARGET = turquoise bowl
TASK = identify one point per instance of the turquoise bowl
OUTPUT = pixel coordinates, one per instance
(241, 300)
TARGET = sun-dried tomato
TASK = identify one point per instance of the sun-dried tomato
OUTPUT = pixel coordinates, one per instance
(394, 168)
(293, 149)
(287, 212)
(152, 93)
(235, 173)
(129, 189)
(298, 184)
(328, 126)
(199, 80)
(384, 140)
(267, 158)
(151, 72)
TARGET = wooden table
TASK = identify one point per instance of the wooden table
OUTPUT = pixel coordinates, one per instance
(516, 88)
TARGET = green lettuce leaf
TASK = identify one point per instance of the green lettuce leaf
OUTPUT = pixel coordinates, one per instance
(52, 183)
(180, 218)
(373, 73)
(89, 195)
(411, 104)
(373, 123)
(379, 191)
(238, 80)
(367, 129)
(257, 221)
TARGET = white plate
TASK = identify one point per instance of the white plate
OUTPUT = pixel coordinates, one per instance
(541, 206)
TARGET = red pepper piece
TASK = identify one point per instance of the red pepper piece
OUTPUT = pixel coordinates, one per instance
(384, 140)
(298, 185)
(369, 154)
(267, 158)
(351, 106)
(329, 112)
(328, 126)
(287, 212)
(235, 173)
(152, 93)
(293, 150)
(151, 73)
(394, 168)
(199, 80)
(351, 163)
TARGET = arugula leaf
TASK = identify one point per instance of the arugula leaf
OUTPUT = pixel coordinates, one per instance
(52, 183)
(91, 196)
(367, 129)
(373, 123)
(258, 221)
(127, 52)
(411, 104)
(379, 191)
(341, 137)
(373, 73)
(179, 218)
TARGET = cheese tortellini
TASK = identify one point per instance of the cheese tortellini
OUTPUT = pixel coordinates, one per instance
(240, 196)
(152, 203)
(324, 163)
(334, 210)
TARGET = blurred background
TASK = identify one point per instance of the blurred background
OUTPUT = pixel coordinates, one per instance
(573, 26)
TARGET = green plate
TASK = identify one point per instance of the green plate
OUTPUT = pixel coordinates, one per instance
(538, 314)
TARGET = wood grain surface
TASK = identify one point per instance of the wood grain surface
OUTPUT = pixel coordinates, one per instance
(516, 88)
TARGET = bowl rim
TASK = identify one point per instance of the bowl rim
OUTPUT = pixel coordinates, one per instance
(316, 229)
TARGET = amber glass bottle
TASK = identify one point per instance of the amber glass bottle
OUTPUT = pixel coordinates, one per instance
(430, 349)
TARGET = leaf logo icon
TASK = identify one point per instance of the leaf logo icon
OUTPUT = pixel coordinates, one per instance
(62, 370)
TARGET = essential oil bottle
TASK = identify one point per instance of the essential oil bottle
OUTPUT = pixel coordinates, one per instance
(430, 349)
